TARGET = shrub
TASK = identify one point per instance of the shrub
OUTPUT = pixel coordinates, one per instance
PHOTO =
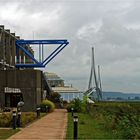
(76, 104)
(122, 119)
(27, 117)
(55, 97)
(47, 103)
(84, 104)
(65, 104)
(5, 119)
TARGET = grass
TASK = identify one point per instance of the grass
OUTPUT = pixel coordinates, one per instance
(6, 133)
(88, 128)
(108, 120)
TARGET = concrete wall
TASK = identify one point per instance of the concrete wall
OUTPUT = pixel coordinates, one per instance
(28, 81)
(8, 48)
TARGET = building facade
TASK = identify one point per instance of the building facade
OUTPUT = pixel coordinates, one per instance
(54, 80)
(16, 85)
(67, 93)
(8, 49)
(21, 85)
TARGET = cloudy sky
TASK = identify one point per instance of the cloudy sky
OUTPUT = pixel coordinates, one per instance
(111, 26)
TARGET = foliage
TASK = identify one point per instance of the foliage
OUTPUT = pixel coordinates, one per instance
(123, 119)
(26, 117)
(65, 103)
(55, 97)
(76, 104)
(5, 119)
(108, 120)
(84, 104)
(47, 103)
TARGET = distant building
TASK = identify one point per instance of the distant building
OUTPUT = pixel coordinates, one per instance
(54, 80)
(68, 93)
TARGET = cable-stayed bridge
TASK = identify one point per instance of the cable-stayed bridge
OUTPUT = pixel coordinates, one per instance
(94, 92)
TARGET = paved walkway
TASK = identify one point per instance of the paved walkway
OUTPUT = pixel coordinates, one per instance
(53, 126)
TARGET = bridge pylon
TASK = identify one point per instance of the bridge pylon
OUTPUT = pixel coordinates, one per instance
(94, 91)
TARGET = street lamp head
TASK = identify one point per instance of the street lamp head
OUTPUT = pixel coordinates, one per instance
(20, 104)
(75, 118)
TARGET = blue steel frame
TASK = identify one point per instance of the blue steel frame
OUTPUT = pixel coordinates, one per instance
(20, 44)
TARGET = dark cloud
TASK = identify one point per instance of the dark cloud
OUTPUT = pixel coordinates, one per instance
(111, 26)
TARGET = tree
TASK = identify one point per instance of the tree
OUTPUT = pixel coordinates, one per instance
(55, 97)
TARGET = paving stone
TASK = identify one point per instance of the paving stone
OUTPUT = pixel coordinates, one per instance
(52, 126)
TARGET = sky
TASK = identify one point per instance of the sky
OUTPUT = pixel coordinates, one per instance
(112, 27)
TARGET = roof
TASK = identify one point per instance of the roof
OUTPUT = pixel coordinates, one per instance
(65, 89)
(52, 76)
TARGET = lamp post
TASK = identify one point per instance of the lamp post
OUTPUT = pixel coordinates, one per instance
(19, 119)
(72, 109)
(14, 120)
(75, 121)
(47, 109)
(38, 112)
(19, 105)
(61, 102)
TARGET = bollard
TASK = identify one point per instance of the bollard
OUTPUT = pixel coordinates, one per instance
(14, 120)
(47, 109)
(72, 109)
(38, 112)
(75, 121)
(19, 119)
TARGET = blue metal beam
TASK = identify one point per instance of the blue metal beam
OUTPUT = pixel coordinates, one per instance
(41, 41)
(27, 52)
(20, 44)
(29, 66)
(55, 54)
(52, 53)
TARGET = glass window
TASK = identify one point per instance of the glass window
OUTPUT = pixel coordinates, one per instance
(70, 96)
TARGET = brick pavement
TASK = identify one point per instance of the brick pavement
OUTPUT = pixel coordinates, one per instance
(52, 126)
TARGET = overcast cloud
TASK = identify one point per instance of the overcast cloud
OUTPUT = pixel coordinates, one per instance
(111, 26)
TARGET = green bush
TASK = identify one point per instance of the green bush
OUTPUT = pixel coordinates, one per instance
(27, 117)
(55, 97)
(5, 119)
(84, 104)
(47, 103)
(76, 104)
